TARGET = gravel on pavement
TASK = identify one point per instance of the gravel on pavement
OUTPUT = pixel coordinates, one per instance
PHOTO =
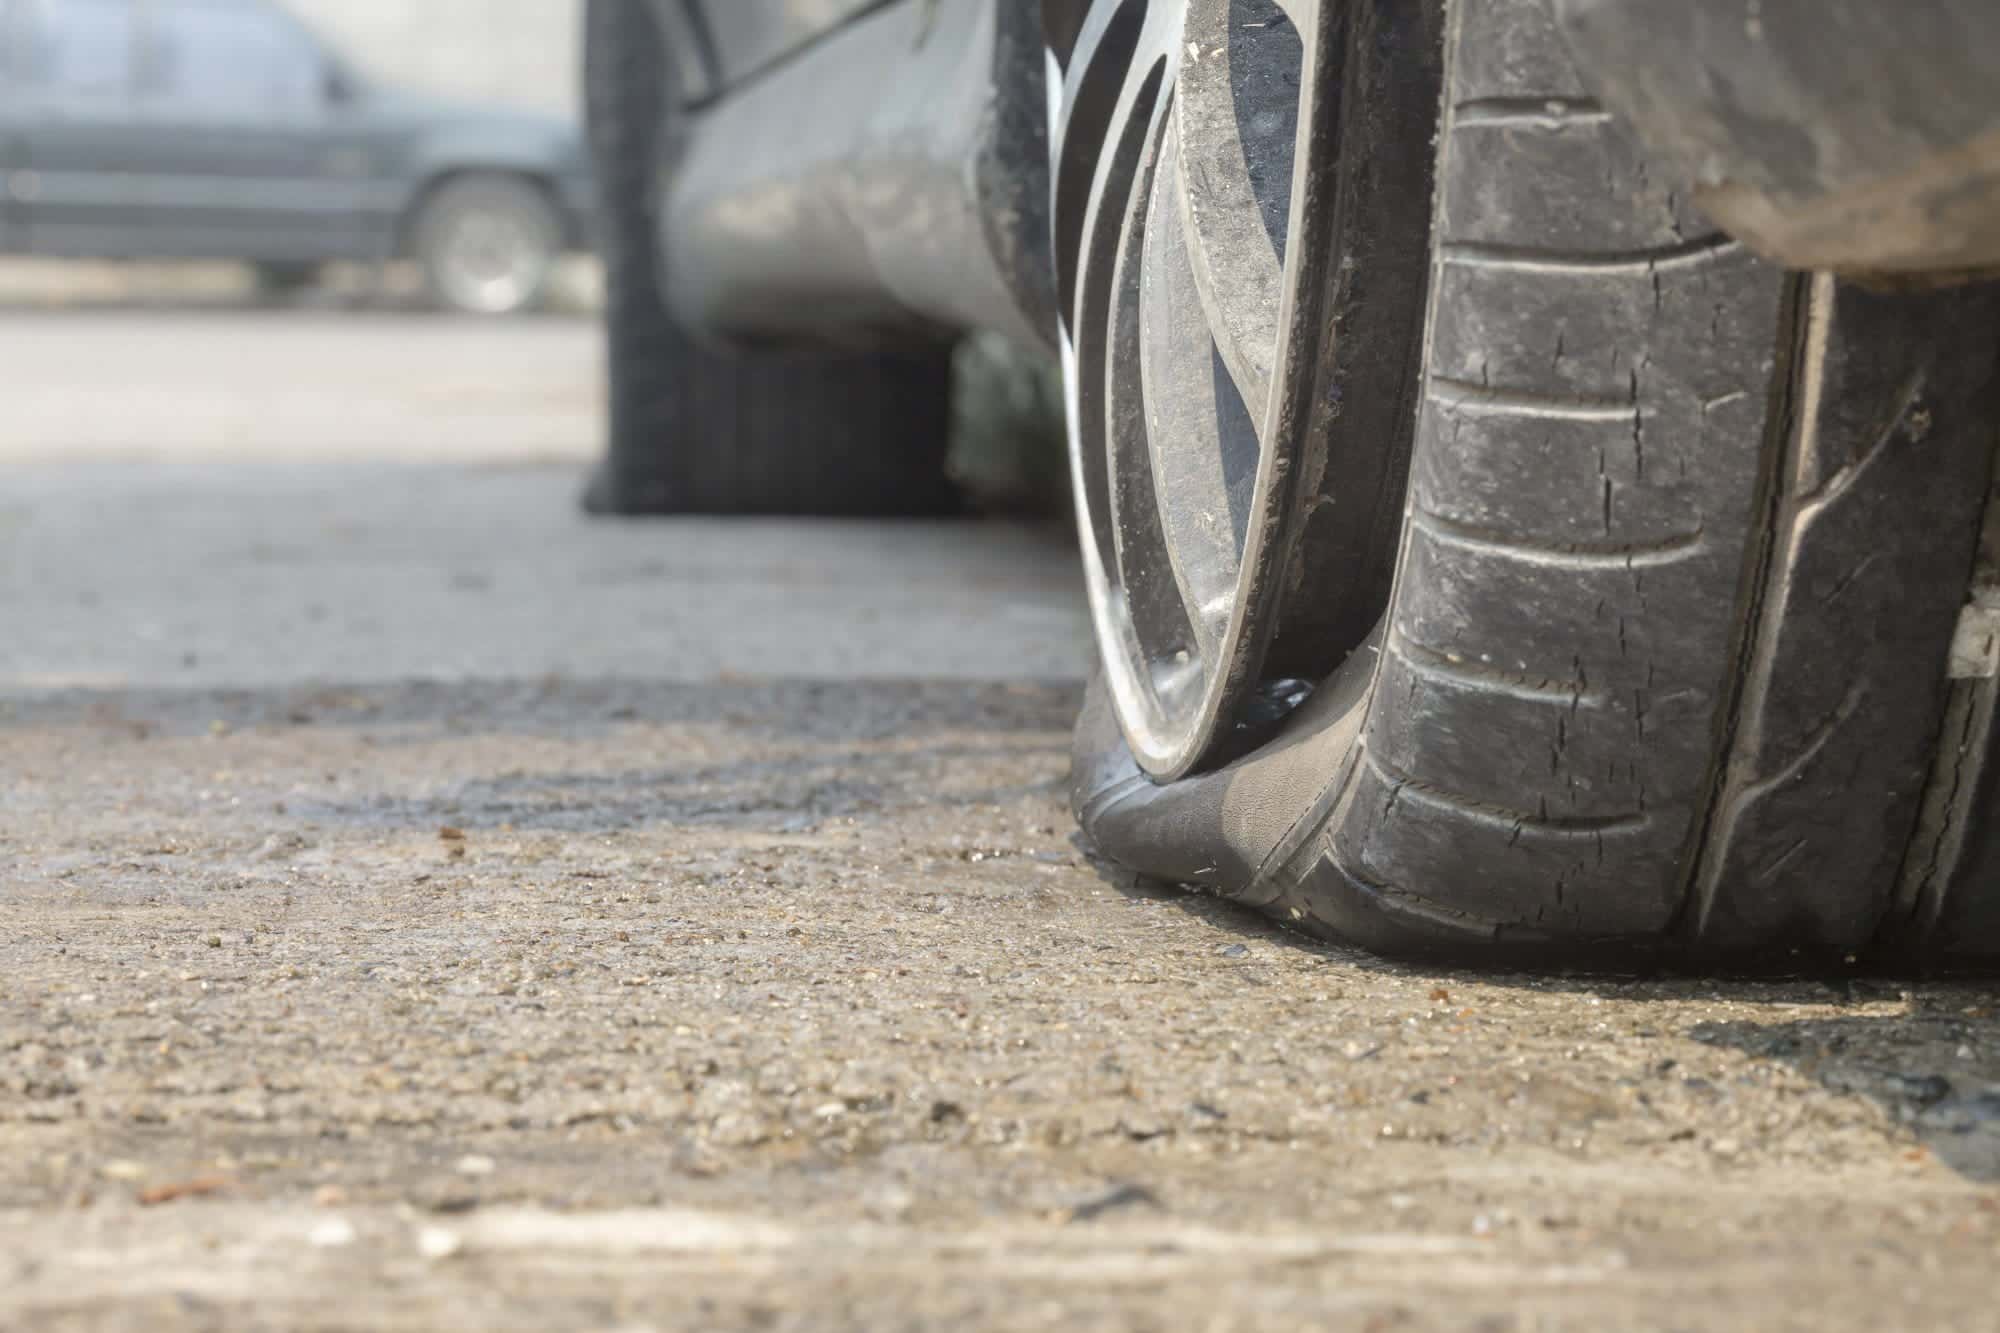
(428, 910)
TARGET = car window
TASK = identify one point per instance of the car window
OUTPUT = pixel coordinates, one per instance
(228, 58)
(78, 48)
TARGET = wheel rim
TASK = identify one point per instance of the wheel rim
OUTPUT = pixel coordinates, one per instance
(494, 261)
(1179, 130)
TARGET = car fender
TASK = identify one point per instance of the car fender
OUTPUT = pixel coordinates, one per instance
(1852, 135)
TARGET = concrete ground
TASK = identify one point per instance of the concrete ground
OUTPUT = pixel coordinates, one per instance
(429, 910)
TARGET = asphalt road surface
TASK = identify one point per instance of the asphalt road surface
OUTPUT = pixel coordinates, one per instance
(426, 909)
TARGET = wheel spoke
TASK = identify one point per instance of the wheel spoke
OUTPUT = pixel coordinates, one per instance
(1123, 56)
(1119, 42)
(1114, 171)
(1174, 624)
(1236, 103)
(1175, 127)
(1200, 441)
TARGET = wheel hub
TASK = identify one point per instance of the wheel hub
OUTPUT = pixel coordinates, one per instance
(493, 261)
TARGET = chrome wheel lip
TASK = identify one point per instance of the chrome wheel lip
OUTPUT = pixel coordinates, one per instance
(1171, 746)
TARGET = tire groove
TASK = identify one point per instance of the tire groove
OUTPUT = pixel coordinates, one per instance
(1844, 477)
(1492, 813)
(1793, 379)
(1430, 662)
(1552, 112)
(1567, 555)
(1554, 259)
(1464, 395)
(1827, 771)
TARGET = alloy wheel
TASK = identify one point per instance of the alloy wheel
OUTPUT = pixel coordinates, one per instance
(1176, 142)
(1241, 258)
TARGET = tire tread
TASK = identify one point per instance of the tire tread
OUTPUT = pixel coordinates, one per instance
(1686, 699)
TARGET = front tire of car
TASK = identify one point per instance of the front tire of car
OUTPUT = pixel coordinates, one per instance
(1688, 651)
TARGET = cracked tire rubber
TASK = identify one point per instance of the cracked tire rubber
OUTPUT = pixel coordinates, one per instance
(696, 428)
(1668, 670)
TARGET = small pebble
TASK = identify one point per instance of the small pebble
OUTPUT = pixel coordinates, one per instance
(438, 1243)
(332, 1234)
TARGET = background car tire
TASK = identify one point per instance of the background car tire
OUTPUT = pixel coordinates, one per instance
(487, 244)
(1668, 670)
(703, 429)
(283, 281)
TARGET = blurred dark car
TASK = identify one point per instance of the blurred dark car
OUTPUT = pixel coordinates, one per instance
(227, 129)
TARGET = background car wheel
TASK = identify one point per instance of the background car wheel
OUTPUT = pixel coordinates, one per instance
(487, 244)
(698, 428)
(1668, 666)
